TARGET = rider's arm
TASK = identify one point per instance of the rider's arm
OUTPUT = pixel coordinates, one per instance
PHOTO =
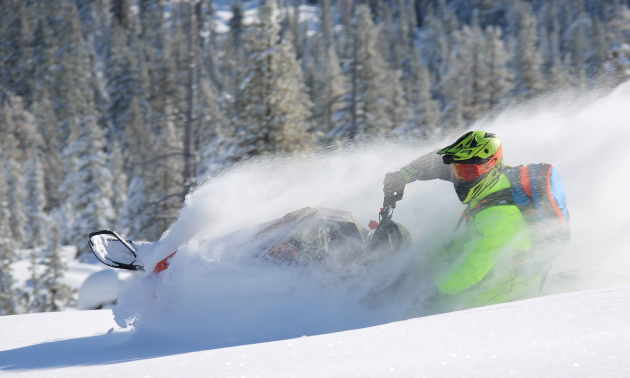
(428, 167)
(497, 230)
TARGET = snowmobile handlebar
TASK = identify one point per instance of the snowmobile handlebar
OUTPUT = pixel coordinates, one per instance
(385, 215)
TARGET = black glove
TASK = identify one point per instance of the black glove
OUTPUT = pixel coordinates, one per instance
(393, 187)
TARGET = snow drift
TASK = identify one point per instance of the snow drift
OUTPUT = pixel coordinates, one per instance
(217, 292)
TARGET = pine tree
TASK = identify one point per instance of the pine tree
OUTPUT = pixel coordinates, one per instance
(580, 50)
(37, 226)
(89, 184)
(374, 92)
(119, 180)
(327, 24)
(46, 292)
(121, 72)
(56, 295)
(212, 120)
(63, 61)
(8, 294)
(160, 81)
(32, 299)
(329, 92)
(500, 78)
(137, 223)
(52, 166)
(397, 106)
(601, 45)
(426, 112)
(527, 59)
(270, 108)
(469, 70)
(19, 134)
(16, 22)
(165, 189)
(435, 46)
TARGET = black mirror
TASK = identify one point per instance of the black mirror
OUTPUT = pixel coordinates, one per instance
(112, 250)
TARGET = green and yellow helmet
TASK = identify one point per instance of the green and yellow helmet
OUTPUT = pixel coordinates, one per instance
(477, 159)
(474, 147)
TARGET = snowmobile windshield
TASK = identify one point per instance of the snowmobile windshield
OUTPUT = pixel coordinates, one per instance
(112, 250)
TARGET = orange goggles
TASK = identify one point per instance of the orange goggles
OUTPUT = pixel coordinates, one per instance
(470, 172)
(467, 172)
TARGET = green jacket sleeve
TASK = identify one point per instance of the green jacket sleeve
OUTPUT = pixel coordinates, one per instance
(495, 231)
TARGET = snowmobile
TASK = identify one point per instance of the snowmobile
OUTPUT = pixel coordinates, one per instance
(327, 237)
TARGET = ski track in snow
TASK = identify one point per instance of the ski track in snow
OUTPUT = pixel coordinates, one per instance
(220, 291)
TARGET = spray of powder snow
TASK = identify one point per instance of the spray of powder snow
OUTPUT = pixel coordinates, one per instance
(218, 292)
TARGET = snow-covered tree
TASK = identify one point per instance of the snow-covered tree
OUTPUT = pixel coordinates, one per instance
(119, 179)
(435, 46)
(46, 292)
(329, 87)
(89, 185)
(527, 59)
(397, 107)
(164, 175)
(32, 299)
(373, 92)
(122, 74)
(38, 222)
(270, 108)
(52, 166)
(426, 112)
(469, 70)
(13, 120)
(499, 77)
(136, 222)
(8, 293)
(57, 295)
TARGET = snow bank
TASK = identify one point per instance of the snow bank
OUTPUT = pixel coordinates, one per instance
(217, 290)
(583, 334)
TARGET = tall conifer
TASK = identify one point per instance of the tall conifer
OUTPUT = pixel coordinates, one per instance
(271, 108)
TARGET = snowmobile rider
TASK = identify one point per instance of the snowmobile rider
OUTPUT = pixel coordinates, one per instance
(484, 264)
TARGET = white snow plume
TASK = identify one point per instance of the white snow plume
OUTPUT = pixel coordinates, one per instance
(218, 293)
(218, 283)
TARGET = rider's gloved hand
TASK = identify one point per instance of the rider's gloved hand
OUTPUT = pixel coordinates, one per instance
(393, 187)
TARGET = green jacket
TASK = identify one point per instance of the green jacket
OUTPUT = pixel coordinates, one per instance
(482, 265)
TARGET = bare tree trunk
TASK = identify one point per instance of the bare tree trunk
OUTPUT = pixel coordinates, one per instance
(189, 159)
(355, 73)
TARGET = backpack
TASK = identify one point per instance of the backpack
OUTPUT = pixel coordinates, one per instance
(538, 191)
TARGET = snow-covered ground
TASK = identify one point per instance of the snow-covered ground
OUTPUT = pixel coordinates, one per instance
(584, 334)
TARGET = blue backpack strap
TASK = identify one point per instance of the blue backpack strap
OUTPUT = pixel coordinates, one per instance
(519, 196)
(558, 196)
(534, 175)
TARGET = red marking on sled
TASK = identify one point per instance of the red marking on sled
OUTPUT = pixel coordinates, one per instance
(163, 265)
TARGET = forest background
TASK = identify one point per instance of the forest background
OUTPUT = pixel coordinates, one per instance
(112, 111)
